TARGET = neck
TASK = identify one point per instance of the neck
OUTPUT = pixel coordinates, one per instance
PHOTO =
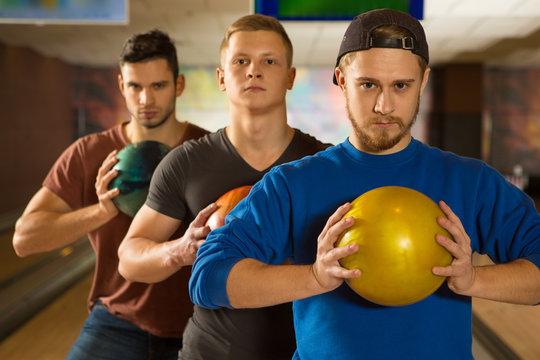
(260, 139)
(168, 133)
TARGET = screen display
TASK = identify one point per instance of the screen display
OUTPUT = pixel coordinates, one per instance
(64, 11)
(333, 10)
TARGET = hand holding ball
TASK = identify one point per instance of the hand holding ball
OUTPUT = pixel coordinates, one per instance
(226, 203)
(136, 164)
(395, 229)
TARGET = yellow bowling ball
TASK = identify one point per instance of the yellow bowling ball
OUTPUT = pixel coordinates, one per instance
(395, 229)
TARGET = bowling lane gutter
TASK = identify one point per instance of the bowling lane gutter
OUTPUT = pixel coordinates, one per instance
(27, 293)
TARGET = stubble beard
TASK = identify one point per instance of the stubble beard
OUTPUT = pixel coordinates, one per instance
(155, 125)
(381, 141)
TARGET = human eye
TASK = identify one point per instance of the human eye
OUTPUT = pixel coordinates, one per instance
(160, 85)
(367, 85)
(241, 61)
(270, 61)
(401, 86)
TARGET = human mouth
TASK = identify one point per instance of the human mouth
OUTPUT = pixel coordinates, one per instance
(385, 123)
(254, 89)
(148, 114)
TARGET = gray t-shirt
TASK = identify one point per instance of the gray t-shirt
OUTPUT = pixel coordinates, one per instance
(189, 178)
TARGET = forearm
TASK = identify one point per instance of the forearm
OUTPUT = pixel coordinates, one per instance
(253, 284)
(42, 231)
(516, 282)
(147, 261)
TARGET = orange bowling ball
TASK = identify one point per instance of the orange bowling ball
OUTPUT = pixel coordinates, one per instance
(226, 203)
(395, 229)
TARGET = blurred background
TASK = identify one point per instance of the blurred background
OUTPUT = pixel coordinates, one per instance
(58, 76)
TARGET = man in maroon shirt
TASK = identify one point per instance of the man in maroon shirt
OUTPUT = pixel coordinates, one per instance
(128, 320)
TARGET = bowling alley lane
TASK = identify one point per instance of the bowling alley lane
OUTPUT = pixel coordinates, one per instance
(500, 331)
(11, 263)
(28, 285)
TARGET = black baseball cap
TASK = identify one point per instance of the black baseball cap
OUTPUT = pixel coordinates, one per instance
(358, 34)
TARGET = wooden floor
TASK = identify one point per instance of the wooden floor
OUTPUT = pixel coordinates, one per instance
(11, 263)
(518, 326)
(49, 335)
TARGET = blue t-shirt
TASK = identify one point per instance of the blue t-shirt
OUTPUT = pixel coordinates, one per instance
(287, 210)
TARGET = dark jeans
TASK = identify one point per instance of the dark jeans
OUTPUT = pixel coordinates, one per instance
(104, 336)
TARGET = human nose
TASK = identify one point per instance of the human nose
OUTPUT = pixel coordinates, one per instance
(254, 71)
(146, 97)
(384, 104)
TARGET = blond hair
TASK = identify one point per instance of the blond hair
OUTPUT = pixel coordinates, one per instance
(258, 22)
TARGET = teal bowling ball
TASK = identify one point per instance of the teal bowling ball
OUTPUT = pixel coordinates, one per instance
(136, 164)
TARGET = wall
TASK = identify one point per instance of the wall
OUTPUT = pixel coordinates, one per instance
(512, 116)
(35, 116)
(44, 101)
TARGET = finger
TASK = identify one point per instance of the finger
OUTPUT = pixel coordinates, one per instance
(203, 215)
(335, 217)
(452, 247)
(198, 233)
(109, 194)
(107, 178)
(450, 214)
(341, 252)
(442, 271)
(328, 241)
(459, 236)
(342, 273)
(109, 162)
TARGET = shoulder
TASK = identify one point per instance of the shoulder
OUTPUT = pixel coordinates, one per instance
(195, 152)
(207, 143)
(447, 158)
(308, 143)
(99, 144)
(314, 165)
(194, 132)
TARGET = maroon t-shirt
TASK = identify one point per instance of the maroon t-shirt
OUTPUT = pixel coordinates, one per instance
(162, 308)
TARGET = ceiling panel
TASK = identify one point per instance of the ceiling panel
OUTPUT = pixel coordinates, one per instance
(457, 30)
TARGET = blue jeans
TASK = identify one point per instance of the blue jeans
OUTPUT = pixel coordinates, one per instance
(104, 336)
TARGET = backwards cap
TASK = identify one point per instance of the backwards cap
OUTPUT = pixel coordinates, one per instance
(358, 34)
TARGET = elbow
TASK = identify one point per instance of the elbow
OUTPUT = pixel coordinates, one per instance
(126, 271)
(123, 266)
(19, 248)
(122, 269)
(19, 244)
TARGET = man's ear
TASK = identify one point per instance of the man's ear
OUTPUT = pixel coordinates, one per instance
(220, 75)
(291, 75)
(180, 84)
(340, 77)
(121, 84)
(424, 80)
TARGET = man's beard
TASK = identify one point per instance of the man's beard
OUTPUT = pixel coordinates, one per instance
(381, 141)
(159, 123)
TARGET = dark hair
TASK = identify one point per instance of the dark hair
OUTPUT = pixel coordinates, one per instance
(151, 45)
(257, 22)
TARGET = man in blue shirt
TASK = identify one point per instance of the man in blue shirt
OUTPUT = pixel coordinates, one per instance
(291, 214)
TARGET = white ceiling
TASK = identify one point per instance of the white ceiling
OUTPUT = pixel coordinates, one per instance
(501, 32)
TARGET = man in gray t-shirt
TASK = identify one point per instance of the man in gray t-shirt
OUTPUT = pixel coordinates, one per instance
(186, 181)
(256, 72)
